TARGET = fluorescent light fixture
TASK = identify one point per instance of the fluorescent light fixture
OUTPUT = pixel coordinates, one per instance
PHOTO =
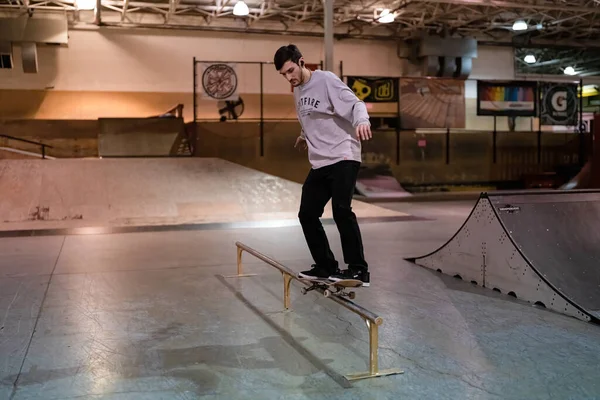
(529, 58)
(385, 17)
(570, 71)
(240, 9)
(589, 90)
(520, 25)
(86, 4)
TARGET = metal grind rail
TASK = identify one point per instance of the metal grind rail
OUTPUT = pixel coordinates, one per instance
(42, 145)
(372, 320)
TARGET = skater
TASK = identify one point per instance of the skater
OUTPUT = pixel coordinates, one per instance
(333, 122)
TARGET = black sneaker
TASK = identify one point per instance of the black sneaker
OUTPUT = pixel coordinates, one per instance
(349, 273)
(316, 273)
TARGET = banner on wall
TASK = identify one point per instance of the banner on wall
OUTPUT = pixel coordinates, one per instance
(559, 104)
(219, 81)
(374, 90)
(507, 98)
(432, 103)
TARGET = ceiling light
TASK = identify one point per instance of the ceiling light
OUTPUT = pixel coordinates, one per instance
(570, 71)
(529, 58)
(520, 25)
(385, 17)
(86, 4)
(240, 9)
(589, 90)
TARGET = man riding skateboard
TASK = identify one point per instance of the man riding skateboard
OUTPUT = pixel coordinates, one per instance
(333, 121)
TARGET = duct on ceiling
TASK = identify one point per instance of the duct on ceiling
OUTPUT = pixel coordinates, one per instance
(28, 32)
(442, 57)
(36, 30)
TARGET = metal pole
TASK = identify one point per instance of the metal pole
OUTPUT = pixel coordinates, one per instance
(398, 123)
(494, 149)
(328, 33)
(581, 104)
(581, 127)
(195, 84)
(539, 132)
(539, 146)
(262, 120)
(447, 145)
(98, 12)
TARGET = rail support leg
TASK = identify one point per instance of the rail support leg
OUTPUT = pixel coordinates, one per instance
(240, 267)
(374, 371)
(287, 280)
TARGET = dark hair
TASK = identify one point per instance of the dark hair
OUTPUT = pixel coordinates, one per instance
(285, 54)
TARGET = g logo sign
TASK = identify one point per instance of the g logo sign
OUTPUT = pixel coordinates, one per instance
(559, 104)
(559, 101)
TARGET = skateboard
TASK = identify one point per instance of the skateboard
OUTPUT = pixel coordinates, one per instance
(332, 288)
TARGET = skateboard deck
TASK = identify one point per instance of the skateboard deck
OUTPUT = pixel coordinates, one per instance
(331, 287)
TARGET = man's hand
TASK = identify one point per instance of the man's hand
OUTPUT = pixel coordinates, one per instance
(299, 140)
(363, 132)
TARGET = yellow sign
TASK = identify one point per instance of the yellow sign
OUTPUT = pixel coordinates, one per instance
(374, 90)
(385, 91)
(361, 90)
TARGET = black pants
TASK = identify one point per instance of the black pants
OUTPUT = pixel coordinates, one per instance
(335, 182)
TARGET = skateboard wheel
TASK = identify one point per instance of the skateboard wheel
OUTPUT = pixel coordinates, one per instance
(351, 295)
(304, 291)
(327, 293)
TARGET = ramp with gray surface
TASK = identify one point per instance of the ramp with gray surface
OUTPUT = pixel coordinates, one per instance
(378, 181)
(144, 192)
(541, 247)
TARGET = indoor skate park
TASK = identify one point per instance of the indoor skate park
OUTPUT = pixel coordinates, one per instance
(149, 195)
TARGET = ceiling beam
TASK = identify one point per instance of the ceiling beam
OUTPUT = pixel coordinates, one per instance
(524, 5)
(561, 23)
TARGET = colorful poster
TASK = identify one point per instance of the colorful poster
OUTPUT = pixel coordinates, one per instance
(507, 98)
(432, 103)
(559, 104)
(374, 90)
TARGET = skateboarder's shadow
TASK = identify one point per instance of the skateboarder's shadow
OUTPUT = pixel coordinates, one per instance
(329, 327)
(333, 329)
(271, 345)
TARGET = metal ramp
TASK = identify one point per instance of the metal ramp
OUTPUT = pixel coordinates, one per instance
(541, 246)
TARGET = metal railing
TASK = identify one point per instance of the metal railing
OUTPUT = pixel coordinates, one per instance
(372, 320)
(42, 145)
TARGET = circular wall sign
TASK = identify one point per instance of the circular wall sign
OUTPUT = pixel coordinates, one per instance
(219, 81)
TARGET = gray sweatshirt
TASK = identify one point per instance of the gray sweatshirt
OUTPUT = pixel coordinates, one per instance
(329, 112)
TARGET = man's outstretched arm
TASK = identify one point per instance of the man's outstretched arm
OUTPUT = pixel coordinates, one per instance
(348, 106)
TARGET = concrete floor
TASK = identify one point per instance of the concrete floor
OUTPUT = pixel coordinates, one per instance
(149, 316)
